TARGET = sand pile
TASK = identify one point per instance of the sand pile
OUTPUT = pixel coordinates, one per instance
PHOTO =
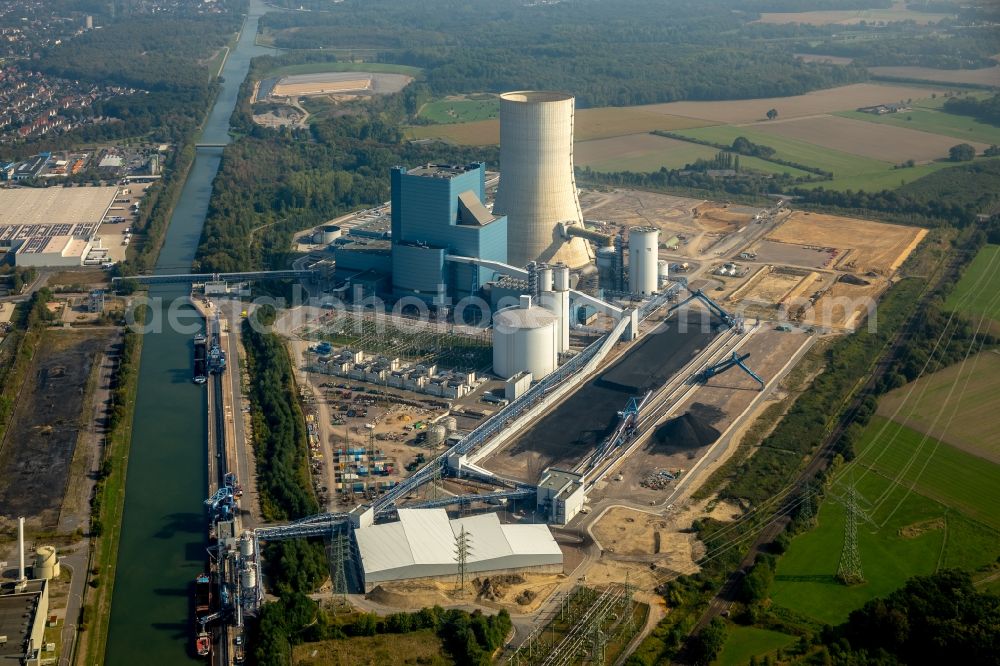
(688, 431)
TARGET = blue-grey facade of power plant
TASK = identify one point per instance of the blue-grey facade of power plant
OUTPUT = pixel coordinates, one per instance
(438, 210)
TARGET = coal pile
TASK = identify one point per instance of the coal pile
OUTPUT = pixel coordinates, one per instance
(686, 432)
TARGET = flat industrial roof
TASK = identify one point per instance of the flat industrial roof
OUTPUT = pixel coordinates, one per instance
(13, 623)
(55, 205)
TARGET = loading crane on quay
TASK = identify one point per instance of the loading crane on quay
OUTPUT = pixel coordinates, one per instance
(735, 361)
(732, 321)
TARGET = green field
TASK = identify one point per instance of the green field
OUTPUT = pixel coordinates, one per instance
(321, 67)
(934, 525)
(984, 271)
(793, 150)
(647, 153)
(745, 642)
(968, 423)
(935, 122)
(445, 112)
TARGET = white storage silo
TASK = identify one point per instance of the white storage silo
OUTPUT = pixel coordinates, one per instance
(560, 277)
(246, 545)
(525, 340)
(450, 424)
(537, 190)
(606, 267)
(435, 435)
(643, 254)
(663, 270)
(545, 279)
(331, 232)
(46, 563)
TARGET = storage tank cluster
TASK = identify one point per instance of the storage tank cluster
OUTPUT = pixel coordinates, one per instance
(643, 257)
(525, 339)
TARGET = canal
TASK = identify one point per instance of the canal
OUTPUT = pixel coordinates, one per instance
(163, 532)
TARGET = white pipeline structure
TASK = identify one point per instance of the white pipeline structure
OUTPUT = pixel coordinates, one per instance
(537, 190)
(525, 339)
(643, 254)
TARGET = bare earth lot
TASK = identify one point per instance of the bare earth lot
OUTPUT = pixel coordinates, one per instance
(874, 246)
(36, 457)
(878, 141)
(340, 82)
(898, 12)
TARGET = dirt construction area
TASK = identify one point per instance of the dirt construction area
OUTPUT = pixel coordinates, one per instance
(38, 449)
(304, 85)
(698, 224)
(864, 246)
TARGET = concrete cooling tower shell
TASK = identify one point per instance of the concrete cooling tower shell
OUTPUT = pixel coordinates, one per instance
(537, 188)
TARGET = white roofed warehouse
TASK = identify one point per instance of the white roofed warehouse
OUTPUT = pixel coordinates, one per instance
(422, 545)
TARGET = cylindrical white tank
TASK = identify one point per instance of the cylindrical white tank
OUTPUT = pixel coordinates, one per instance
(537, 188)
(643, 253)
(557, 302)
(435, 435)
(246, 546)
(525, 340)
(450, 423)
(606, 267)
(331, 232)
(248, 578)
(561, 278)
(317, 237)
(46, 563)
(663, 270)
(545, 279)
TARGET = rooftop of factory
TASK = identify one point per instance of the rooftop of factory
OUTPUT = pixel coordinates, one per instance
(18, 610)
(426, 538)
(561, 482)
(67, 246)
(55, 205)
(441, 170)
(364, 245)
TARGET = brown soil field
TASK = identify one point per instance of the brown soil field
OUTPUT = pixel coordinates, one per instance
(874, 246)
(898, 12)
(841, 305)
(833, 60)
(972, 423)
(875, 140)
(35, 461)
(844, 98)
(988, 76)
(303, 89)
(416, 594)
(597, 123)
(773, 287)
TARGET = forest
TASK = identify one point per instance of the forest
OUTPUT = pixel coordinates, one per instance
(631, 52)
(985, 110)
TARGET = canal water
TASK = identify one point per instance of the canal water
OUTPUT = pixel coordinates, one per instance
(163, 533)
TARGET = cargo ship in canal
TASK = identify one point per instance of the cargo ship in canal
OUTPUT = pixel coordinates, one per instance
(200, 359)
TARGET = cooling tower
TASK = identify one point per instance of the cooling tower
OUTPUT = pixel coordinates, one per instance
(537, 189)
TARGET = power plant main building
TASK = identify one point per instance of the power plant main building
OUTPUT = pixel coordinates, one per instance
(537, 190)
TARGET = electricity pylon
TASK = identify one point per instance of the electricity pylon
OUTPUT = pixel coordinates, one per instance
(849, 571)
(463, 547)
(339, 571)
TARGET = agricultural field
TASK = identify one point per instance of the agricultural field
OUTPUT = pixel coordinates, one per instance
(649, 152)
(924, 502)
(987, 76)
(838, 162)
(461, 109)
(968, 424)
(742, 643)
(889, 143)
(589, 124)
(844, 98)
(936, 122)
(976, 291)
(898, 12)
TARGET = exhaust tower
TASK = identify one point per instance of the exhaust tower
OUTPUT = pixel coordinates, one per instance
(537, 190)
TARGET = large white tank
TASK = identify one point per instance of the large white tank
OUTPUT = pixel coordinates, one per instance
(537, 188)
(663, 271)
(246, 545)
(331, 232)
(450, 424)
(436, 435)
(525, 340)
(46, 563)
(643, 254)
(561, 278)
(557, 302)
